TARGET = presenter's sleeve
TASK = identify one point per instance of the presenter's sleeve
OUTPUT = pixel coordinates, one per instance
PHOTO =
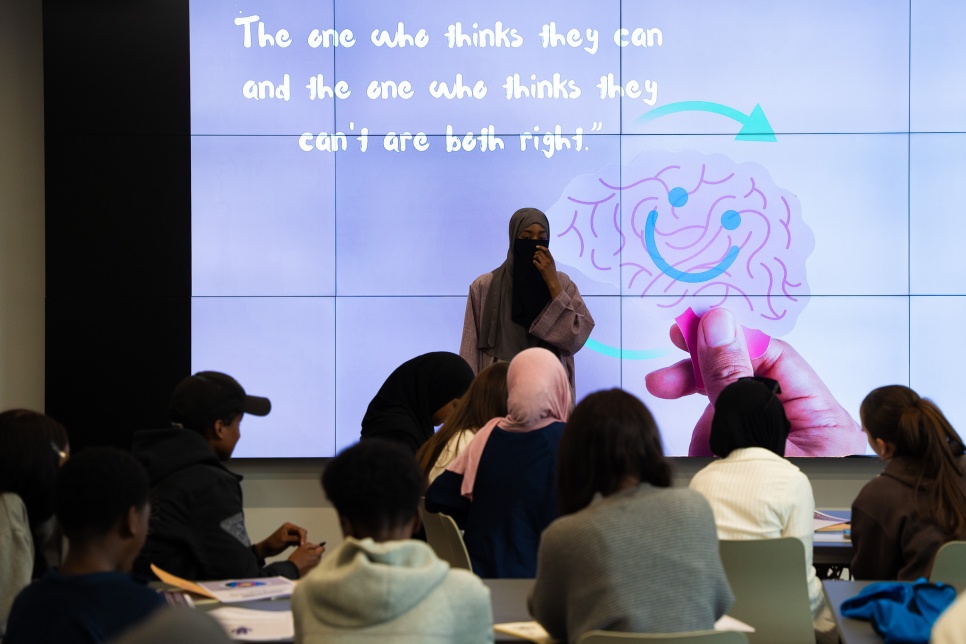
(444, 496)
(565, 322)
(469, 344)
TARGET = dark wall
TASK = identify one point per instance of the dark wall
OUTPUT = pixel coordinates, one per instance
(118, 213)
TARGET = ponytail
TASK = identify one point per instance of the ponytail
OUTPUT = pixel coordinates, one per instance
(923, 435)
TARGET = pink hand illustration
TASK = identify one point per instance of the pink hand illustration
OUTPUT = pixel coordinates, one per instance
(820, 425)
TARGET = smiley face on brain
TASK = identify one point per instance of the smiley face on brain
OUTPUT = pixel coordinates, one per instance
(690, 231)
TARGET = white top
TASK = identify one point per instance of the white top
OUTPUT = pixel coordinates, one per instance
(756, 494)
(950, 628)
(16, 553)
(450, 451)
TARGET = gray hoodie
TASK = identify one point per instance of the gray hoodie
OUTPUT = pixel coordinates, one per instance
(397, 591)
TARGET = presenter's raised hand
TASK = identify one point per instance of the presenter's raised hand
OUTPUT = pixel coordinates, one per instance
(543, 260)
(820, 425)
(307, 556)
(287, 535)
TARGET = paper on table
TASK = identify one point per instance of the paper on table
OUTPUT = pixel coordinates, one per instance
(231, 590)
(249, 625)
(178, 582)
(531, 631)
(729, 623)
(829, 522)
(242, 590)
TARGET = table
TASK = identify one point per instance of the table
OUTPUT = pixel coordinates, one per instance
(507, 596)
(831, 550)
(509, 600)
(853, 631)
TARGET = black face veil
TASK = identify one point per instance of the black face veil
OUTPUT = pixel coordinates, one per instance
(508, 313)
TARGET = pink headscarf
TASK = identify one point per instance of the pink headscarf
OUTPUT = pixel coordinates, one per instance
(539, 394)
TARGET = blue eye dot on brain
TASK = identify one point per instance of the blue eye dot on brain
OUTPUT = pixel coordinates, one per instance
(677, 197)
(731, 219)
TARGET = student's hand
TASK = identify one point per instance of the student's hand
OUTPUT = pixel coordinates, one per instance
(820, 425)
(287, 535)
(307, 556)
(543, 260)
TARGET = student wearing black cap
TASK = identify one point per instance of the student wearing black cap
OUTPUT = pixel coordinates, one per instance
(197, 521)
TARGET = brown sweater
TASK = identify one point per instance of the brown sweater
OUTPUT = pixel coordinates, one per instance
(891, 541)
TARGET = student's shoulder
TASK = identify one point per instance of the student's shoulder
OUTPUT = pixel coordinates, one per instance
(685, 497)
(678, 504)
(885, 482)
(583, 526)
(42, 604)
(199, 478)
(464, 584)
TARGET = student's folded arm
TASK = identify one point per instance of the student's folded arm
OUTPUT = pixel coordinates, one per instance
(444, 496)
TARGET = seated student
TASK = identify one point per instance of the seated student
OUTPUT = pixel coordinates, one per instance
(918, 503)
(102, 506)
(32, 447)
(754, 492)
(380, 585)
(416, 397)
(485, 399)
(628, 553)
(500, 490)
(197, 523)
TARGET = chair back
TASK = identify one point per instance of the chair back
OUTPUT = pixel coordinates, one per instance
(443, 535)
(770, 586)
(949, 566)
(696, 637)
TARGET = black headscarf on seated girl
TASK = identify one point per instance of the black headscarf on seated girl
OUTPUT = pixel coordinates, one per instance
(402, 410)
(748, 413)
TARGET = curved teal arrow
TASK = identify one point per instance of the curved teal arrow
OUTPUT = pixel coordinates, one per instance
(623, 354)
(754, 126)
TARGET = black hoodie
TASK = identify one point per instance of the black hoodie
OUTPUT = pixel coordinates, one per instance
(197, 522)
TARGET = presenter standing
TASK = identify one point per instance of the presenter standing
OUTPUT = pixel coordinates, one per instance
(525, 303)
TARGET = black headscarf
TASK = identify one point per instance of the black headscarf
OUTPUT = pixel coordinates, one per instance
(402, 410)
(517, 293)
(748, 413)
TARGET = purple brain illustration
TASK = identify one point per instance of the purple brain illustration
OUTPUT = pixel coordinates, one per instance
(690, 231)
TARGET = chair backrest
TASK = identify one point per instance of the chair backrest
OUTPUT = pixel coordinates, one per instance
(444, 536)
(697, 637)
(949, 566)
(770, 585)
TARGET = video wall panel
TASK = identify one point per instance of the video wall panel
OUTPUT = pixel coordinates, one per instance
(355, 164)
